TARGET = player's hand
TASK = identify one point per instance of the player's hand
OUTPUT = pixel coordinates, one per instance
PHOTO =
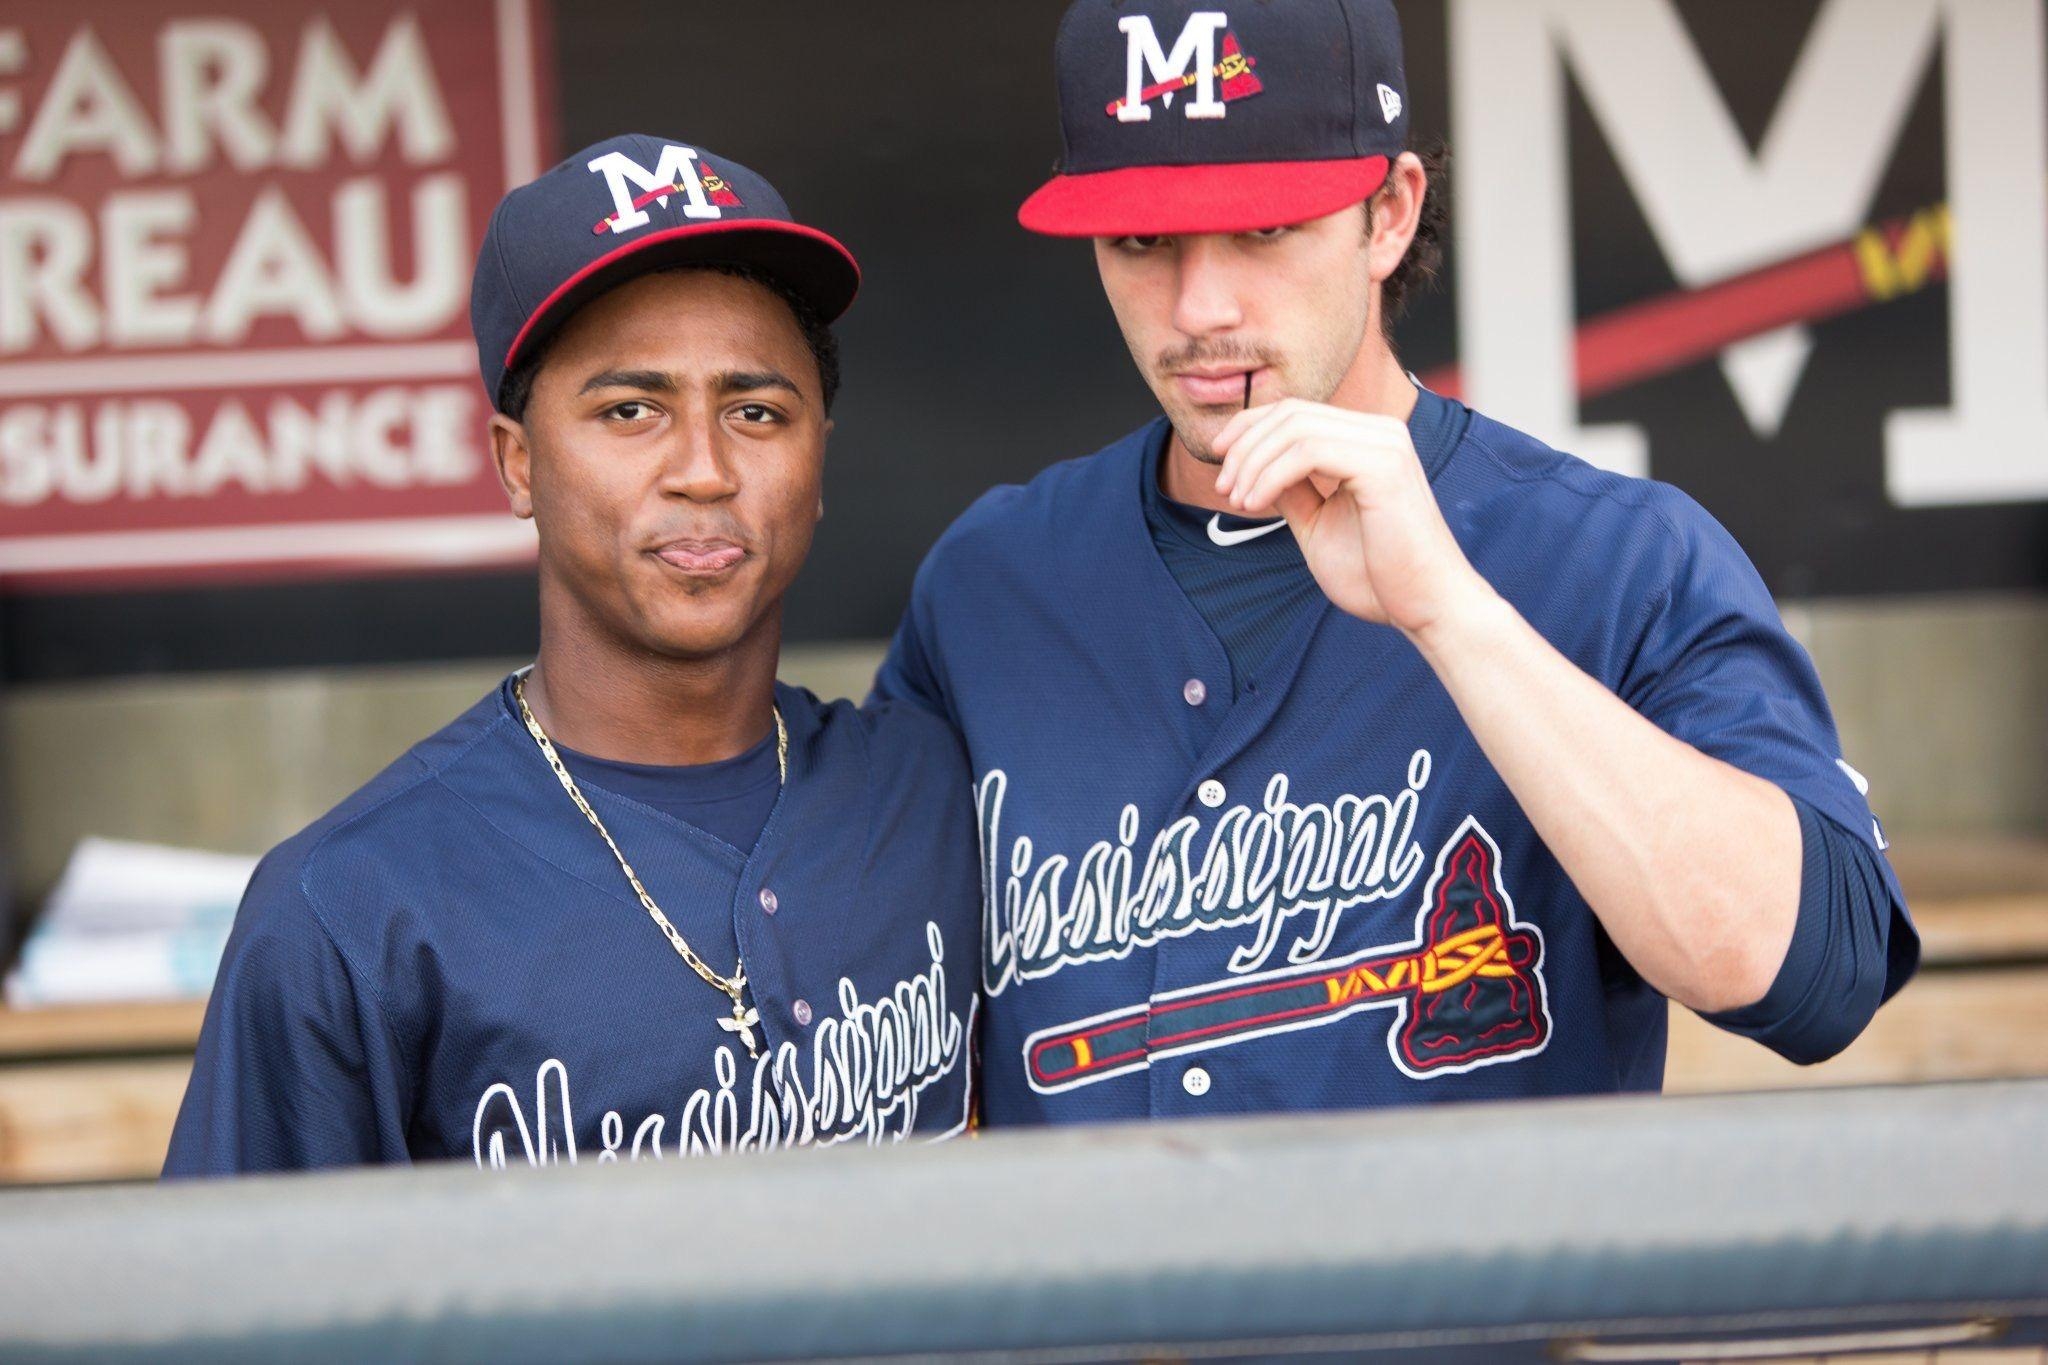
(1353, 491)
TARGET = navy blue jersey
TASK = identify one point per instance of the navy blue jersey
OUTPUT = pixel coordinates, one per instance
(452, 965)
(1319, 893)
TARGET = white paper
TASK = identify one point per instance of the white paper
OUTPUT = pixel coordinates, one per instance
(131, 921)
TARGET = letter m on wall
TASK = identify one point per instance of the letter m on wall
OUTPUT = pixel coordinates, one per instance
(1717, 209)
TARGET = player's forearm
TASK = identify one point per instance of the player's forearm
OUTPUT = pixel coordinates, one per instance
(1691, 864)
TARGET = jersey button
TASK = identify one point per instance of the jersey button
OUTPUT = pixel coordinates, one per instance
(1195, 1081)
(1195, 691)
(1211, 793)
(802, 1010)
(768, 902)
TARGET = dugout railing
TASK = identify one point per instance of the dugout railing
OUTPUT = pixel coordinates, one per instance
(1909, 1220)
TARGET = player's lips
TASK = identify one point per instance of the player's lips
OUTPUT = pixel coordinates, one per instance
(1214, 388)
(701, 558)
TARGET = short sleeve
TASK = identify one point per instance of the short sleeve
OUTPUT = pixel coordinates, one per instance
(908, 672)
(1836, 971)
(295, 1069)
(1715, 667)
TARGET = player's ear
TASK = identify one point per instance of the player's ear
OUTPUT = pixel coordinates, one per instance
(1396, 214)
(823, 437)
(514, 459)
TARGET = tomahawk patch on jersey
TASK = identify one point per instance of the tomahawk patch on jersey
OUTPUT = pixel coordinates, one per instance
(1466, 991)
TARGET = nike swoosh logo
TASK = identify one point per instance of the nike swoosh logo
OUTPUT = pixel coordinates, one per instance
(1241, 535)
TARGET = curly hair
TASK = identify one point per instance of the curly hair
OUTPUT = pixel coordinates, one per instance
(1420, 268)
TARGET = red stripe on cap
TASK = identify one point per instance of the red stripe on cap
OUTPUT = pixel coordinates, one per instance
(1215, 197)
(640, 244)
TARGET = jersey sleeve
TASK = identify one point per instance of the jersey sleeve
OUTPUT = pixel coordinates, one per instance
(1835, 971)
(295, 1068)
(952, 585)
(909, 671)
(1715, 667)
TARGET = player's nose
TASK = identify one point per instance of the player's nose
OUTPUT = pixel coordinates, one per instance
(699, 464)
(1206, 299)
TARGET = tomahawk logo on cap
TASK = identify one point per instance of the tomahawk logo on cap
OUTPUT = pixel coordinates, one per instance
(621, 208)
(1184, 118)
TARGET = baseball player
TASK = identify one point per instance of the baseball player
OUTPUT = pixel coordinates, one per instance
(1334, 744)
(641, 899)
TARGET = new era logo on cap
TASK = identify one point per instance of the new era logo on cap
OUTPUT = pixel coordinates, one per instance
(1186, 148)
(621, 208)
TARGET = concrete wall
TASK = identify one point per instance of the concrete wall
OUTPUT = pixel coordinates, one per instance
(238, 761)
(1942, 703)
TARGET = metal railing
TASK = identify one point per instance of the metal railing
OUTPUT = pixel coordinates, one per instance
(1597, 1229)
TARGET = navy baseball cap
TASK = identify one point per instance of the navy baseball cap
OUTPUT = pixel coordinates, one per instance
(621, 208)
(1225, 116)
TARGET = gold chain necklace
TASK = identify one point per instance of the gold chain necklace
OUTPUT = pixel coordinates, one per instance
(744, 1018)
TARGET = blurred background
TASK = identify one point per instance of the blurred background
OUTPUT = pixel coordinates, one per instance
(1790, 255)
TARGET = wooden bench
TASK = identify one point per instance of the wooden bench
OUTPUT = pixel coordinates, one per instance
(91, 1093)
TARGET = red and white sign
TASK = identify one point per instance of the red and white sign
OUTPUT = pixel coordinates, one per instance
(235, 254)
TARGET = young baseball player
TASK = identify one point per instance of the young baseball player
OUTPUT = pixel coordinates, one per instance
(1334, 744)
(641, 899)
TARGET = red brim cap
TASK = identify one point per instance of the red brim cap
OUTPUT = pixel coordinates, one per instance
(1162, 201)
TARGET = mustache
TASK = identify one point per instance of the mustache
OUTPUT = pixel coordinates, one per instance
(1213, 353)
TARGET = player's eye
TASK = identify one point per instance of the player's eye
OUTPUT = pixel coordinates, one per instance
(1271, 234)
(756, 414)
(1138, 243)
(630, 411)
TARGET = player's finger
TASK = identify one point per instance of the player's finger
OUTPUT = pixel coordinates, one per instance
(1256, 444)
(1345, 451)
(1301, 504)
(1254, 452)
(1357, 442)
(1258, 415)
(1291, 466)
(1249, 441)
(1390, 430)
(1239, 423)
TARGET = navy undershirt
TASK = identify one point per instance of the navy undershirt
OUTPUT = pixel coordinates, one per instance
(729, 800)
(1252, 594)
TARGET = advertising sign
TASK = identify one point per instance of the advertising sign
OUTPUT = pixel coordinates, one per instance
(235, 252)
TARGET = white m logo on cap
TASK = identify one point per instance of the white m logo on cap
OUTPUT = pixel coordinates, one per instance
(1196, 48)
(676, 171)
